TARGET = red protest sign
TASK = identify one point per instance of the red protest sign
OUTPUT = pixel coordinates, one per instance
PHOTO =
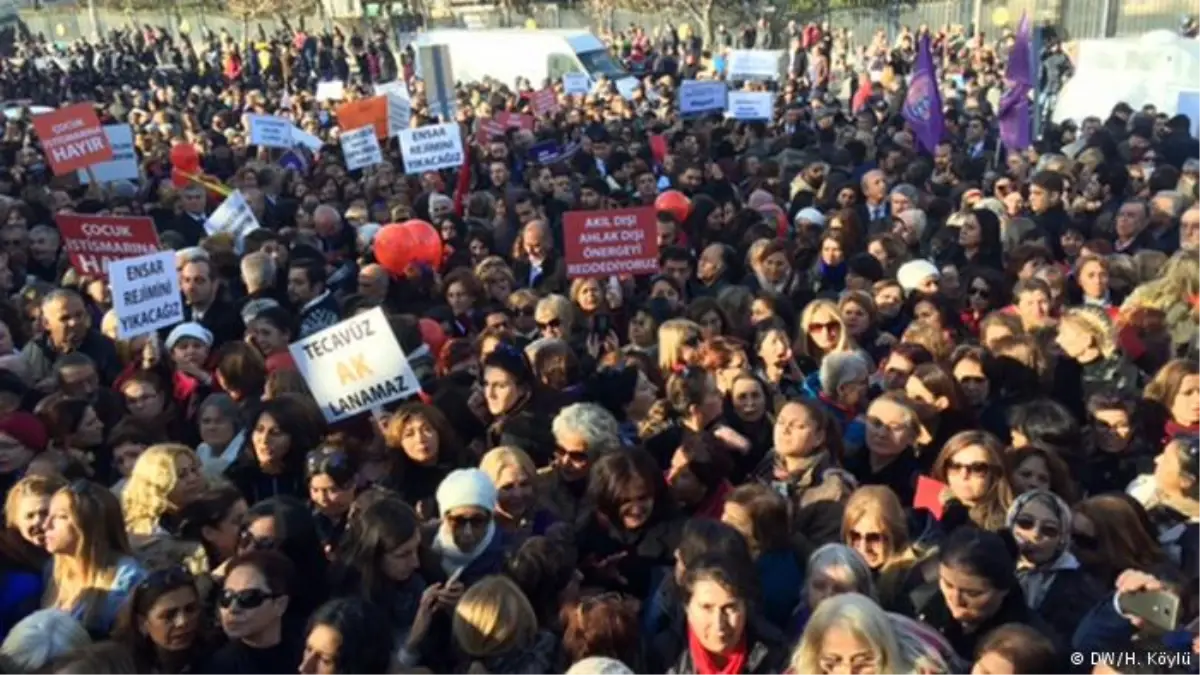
(92, 241)
(658, 148)
(544, 102)
(495, 127)
(72, 138)
(604, 243)
(929, 496)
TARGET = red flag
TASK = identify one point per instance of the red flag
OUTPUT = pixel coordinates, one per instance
(464, 183)
(863, 94)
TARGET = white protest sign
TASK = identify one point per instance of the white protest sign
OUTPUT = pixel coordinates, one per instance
(333, 90)
(270, 131)
(701, 96)
(755, 64)
(751, 105)
(233, 216)
(354, 366)
(361, 148)
(431, 148)
(399, 106)
(145, 293)
(123, 165)
(303, 138)
(576, 84)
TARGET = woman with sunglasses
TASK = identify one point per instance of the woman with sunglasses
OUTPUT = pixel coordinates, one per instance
(467, 541)
(92, 569)
(986, 291)
(285, 524)
(1052, 579)
(255, 611)
(163, 624)
(332, 485)
(972, 465)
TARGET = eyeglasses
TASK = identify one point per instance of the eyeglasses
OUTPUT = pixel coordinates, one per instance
(829, 327)
(249, 598)
(980, 292)
(1031, 524)
(970, 468)
(248, 542)
(972, 380)
(475, 522)
(551, 324)
(574, 458)
(870, 538)
(524, 311)
(859, 663)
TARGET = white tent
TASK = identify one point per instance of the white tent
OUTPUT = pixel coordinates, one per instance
(1161, 67)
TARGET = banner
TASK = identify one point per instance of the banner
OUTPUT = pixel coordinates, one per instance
(432, 148)
(233, 217)
(123, 165)
(544, 103)
(701, 96)
(334, 90)
(607, 243)
(355, 366)
(399, 106)
(145, 294)
(751, 105)
(754, 64)
(361, 148)
(270, 131)
(576, 84)
(92, 241)
(304, 139)
(550, 152)
(433, 63)
(365, 112)
(72, 138)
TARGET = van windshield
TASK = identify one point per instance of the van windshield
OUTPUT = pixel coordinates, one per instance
(600, 62)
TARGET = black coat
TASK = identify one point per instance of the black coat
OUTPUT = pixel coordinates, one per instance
(191, 229)
(1013, 610)
(650, 551)
(222, 319)
(553, 277)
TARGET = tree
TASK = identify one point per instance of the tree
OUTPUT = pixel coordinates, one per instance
(249, 10)
(700, 14)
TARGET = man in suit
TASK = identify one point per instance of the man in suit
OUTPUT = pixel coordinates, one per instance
(874, 211)
(205, 304)
(190, 223)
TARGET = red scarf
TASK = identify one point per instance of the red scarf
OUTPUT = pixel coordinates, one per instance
(704, 662)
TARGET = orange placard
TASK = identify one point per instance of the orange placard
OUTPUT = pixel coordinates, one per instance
(360, 113)
(72, 138)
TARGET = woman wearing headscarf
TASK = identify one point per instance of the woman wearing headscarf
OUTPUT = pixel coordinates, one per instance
(1052, 580)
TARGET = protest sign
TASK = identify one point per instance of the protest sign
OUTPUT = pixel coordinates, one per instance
(395, 88)
(270, 131)
(433, 63)
(361, 148)
(365, 112)
(576, 84)
(605, 243)
(755, 64)
(93, 241)
(302, 138)
(399, 105)
(145, 294)
(751, 105)
(432, 148)
(550, 152)
(72, 138)
(355, 366)
(701, 96)
(233, 217)
(333, 90)
(123, 165)
(544, 102)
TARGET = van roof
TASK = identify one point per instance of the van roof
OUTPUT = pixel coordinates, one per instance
(580, 40)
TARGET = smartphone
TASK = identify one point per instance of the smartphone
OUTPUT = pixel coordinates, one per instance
(1159, 609)
(601, 325)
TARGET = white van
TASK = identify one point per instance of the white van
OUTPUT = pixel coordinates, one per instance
(536, 55)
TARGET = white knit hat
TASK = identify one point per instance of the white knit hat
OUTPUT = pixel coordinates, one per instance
(189, 329)
(811, 215)
(912, 273)
(466, 487)
(599, 665)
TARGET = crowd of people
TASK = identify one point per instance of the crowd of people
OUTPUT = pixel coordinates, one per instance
(881, 410)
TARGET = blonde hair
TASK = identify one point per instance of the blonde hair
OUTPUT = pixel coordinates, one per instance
(85, 575)
(144, 499)
(860, 616)
(504, 457)
(990, 512)
(29, 486)
(882, 503)
(1093, 323)
(558, 306)
(672, 336)
(1179, 279)
(493, 617)
(804, 344)
(577, 286)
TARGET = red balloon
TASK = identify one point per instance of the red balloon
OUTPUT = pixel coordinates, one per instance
(185, 158)
(399, 245)
(178, 179)
(433, 335)
(674, 202)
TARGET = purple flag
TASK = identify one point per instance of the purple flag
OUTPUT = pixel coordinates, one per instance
(923, 103)
(1014, 113)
